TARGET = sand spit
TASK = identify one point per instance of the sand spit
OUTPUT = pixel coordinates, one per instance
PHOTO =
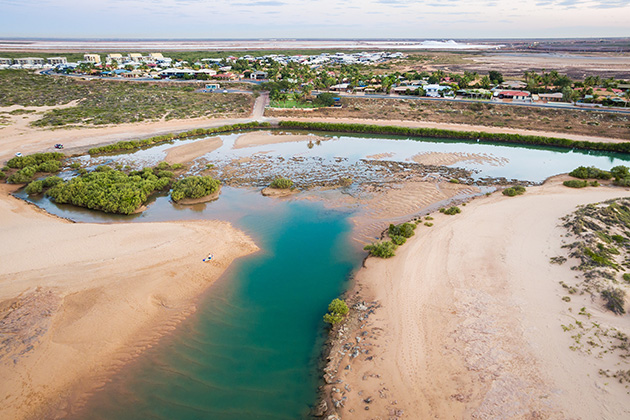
(465, 321)
(259, 138)
(447, 159)
(78, 300)
(189, 152)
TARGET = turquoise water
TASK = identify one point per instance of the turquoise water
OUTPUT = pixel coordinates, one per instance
(251, 350)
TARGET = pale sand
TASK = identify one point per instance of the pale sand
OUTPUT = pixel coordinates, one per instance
(446, 159)
(88, 297)
(456, 127)
(259, 138)
(189, 152)
(470, 323)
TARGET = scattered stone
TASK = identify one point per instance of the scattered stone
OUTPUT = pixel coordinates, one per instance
(368, 400)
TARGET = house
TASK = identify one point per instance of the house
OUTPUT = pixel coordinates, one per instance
(514, 95)
(434, 91)
(513, 84)
(6, 61)
(259, 75)
(550, 97)
(156, 56)
(115, 57)
(340, 87)
(134, 57)
(57, 60)
(30, 61)
(92, 58)
(401, 90)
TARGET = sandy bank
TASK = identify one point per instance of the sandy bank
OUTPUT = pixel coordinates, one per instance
(470, 324)
(189, 152)
(260, 138)
(78, 300)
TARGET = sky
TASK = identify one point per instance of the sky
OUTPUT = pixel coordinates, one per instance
(214, 19)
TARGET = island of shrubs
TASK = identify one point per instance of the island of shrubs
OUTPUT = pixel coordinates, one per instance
(138, 144)
(451, 211)
(107, 189)
(620, 175)
(194, 187)
(398, 235)
(281, 183)
(32, 164)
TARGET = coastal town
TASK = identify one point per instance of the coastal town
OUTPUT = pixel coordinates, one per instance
(356, 74)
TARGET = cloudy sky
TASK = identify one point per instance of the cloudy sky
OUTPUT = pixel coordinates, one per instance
(314, 18)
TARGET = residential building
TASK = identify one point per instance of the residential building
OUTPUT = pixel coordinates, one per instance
(6, 61)
(515, 95)
(259, 75)
(135, 57)
(434, 90)
(30, 61)
(115, 57)
(57, 60)
(92, 58)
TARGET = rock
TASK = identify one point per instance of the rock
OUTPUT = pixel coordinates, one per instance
(321, 409)
(368, 400)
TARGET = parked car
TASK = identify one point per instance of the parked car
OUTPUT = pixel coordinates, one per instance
(18, 154)
(58, 146)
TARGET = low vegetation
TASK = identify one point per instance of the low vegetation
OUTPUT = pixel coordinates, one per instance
(575, 183)
(138, 144)
(337, 311)
(514, 191)
(451, 211)
(590, 172)
(29, 166)
(451, 134)
(384, 249)
(105, 102)
(194, 187)
(110, 190)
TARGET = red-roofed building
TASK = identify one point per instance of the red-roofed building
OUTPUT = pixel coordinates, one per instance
(516, 95)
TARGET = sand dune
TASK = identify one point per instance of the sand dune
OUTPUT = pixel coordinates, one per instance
(470, 320)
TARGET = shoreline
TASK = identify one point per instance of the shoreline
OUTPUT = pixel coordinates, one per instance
(454, 325)
(95, 299)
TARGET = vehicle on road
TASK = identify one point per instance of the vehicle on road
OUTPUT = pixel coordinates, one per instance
(18, 154)
(58, 146)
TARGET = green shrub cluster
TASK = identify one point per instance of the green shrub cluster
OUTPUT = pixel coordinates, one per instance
(450, 134)
(194, 187)
(137, 144)
(451, 210)
(337, 310)
(35, 159)
(575, 183)
(281, 183)
(109, 190)
(383, 249)
(398, 240)
(23, 176)
(584, 172)
(406, 230)
(513, 191)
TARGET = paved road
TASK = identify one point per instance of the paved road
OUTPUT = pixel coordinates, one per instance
(259, 106)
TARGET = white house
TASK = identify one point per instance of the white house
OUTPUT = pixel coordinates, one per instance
(434, 90)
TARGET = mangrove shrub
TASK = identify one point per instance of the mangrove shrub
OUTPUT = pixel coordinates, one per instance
(281, 183)
(514, 191)
(337, 310)
(194, 187)
(383, 249)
